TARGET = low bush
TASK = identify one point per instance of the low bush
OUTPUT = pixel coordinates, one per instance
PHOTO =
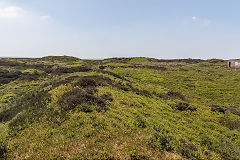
(6, 76)
(102, 67)
(165, 141)
(8, 114)
(223, 109)
(91, 90)
(135, 156)
(216, 108)
(140, 123)
(230, 122)
(87, 82)
(122, 87)
(158, 68)
(76, 97)
(30, 77)
(184, 107)
(107, 96)
(189, 151)
(62, 70)
(176, 95)
(226, 149)
(6, 62)
(113, 74)
(26, 110)
(3, 150)
(139, 92)
(93, 81)
(206, 141)
(162, 138)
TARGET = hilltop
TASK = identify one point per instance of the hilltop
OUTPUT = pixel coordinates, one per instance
(119, 108)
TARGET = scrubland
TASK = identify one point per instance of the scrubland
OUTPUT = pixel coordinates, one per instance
(119, 108)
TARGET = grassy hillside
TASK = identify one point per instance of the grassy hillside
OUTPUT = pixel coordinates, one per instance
(119, 108)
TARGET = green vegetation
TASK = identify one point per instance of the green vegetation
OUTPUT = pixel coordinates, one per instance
(119, 108)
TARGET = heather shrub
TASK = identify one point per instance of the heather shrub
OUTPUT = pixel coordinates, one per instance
(230, 122)
(223, 109)
(77, 97)
(93, 81)
(62, 70)
(107, 96)
(184, 107)
(176, 95)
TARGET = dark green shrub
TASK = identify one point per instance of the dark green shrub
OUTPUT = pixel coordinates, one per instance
(28, 110)
(107, 97)
(156, 128)
(30, 77)
(102, 67)
(62, 70)
(91, 90)
(87, 81)
(140, 123)
(165, 141)
(6, 62)
(6, 76)
(189, 151)
(226, 149)
(135, 156)
(3, 150)
(122, 86)
(206, 141)
(176, 95)
(113, 74)
(216, 108)
(158, 68)
(76, 97)
(185, 106)
(233, 110)
(71, 78)
(223, 109)
(229, 122)
(8, 114)
(93, 81)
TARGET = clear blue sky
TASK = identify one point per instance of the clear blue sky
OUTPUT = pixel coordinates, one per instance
(120, 28)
